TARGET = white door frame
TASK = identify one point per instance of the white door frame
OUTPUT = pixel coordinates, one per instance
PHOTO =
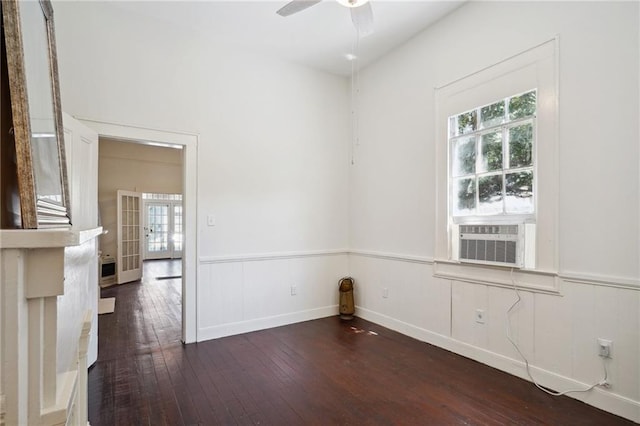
(189, 143)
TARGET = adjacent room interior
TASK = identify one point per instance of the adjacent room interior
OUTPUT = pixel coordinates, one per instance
(477, 175)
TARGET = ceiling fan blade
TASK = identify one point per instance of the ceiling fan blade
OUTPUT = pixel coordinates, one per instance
(296, 6)
(362, 17)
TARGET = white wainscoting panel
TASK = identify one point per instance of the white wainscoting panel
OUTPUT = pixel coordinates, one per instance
(220, 294)
(415, 296)
(465, 299)
(521, 321)
(552, 335)
(242, 295)
(626, 348)
(587, 365)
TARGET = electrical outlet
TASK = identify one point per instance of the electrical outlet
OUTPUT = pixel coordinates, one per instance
(604, 348)
(294, 290)
(385, 292)
(480, 316)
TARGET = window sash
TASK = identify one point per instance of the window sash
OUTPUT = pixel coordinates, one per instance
(477, 135)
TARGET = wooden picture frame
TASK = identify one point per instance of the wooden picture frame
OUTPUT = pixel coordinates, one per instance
(37, 116)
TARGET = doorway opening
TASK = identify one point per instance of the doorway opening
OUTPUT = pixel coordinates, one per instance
(186, 143)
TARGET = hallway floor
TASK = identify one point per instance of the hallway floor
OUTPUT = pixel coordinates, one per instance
(321, 372)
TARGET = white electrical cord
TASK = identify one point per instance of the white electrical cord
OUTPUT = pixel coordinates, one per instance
(603, 382)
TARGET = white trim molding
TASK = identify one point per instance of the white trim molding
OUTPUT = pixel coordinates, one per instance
(315, 253)
(189, 143)
(132, 132)
(601, 280)
(533, 280)
(538, 281)
(230, 329)
(270, 256)
(392, 256)
(253, 257)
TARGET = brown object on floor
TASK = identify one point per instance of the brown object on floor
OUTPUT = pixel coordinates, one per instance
(347, 305)
(323, 372)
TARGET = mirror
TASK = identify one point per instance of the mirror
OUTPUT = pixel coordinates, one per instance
(37, 115)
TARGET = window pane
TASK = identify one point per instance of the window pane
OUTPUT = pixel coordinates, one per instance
(519, 189)
(177, 228)
(453, 128)
(520, 146)
(522, 106)
(467, 122)
(464, 156)
(491, 149)
(490, 194)
(465, 196)
(493, 114)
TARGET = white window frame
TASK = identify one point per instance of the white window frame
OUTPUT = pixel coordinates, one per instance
(534, 68)
(504, 216)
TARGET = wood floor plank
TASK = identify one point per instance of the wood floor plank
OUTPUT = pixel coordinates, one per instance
(321, 372)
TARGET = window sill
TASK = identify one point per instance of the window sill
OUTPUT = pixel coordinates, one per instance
(525, 279)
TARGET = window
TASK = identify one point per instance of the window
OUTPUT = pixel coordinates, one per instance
(496, 165)
(161, 197)
(491, 158)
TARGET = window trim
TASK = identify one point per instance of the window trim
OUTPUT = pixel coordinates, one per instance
(533, 68)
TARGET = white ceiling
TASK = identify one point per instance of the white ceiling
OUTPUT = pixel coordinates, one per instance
(319, 36)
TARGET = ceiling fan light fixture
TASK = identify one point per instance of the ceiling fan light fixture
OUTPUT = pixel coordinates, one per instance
(352, 3)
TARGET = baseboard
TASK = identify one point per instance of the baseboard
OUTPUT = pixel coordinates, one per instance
(230, 329)
(597, 397)
(61, 412)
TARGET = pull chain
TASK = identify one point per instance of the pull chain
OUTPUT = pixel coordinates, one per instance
(355, 92)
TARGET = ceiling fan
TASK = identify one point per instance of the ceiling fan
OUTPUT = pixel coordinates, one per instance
(361, 12)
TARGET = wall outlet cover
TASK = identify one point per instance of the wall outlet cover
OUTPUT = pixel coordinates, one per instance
(604, 347)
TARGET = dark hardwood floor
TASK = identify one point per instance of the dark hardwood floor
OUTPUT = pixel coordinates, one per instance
(322, 372)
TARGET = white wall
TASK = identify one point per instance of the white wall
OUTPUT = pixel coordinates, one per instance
(393, 184)
(132, 167)
(136, 167)
(272, 150)
(272, 169)
(80, 262)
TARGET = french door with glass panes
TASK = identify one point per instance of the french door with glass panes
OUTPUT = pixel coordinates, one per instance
(163, 229)
(129, 261)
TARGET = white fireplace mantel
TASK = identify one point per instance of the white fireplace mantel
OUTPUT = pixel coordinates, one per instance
(32, 264)
(45, 238)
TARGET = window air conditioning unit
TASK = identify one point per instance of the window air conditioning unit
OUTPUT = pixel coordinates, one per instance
(501, 245)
